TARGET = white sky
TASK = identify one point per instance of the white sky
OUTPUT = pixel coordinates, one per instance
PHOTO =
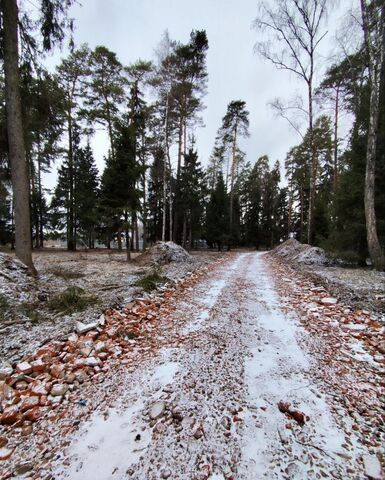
(133, 28)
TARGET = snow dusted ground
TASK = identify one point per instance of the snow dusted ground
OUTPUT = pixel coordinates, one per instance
(209, 408)
(200, 400)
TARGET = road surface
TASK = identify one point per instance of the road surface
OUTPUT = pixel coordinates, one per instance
(207, 408)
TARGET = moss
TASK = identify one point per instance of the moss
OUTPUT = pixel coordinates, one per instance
(5, 308)
(73, 299)
(151, 281)
(30, 310)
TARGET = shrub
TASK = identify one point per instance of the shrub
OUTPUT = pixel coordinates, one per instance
(73, 299)
(151, 281)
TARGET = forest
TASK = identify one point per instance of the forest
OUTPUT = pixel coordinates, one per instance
(328, 191)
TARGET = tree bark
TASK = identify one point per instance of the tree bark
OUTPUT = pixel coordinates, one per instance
(233, 170)
(18, 163)
(375, 59)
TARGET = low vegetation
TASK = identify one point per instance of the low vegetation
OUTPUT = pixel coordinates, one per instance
(151, 280)
(73, 299)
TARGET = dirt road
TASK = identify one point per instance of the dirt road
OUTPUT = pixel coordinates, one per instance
(208, 407)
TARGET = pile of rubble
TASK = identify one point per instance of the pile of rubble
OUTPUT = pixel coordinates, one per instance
(163, 253)
(301, 253)
(345, 340)
(49, 383)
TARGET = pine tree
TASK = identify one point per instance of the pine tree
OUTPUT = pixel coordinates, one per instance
(217, 216)
(119, 195)
(192, 198)
(106, 93)
(235, 124)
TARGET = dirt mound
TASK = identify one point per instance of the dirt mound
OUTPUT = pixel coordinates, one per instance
(12, 270)
(163, 253)
(302, 253)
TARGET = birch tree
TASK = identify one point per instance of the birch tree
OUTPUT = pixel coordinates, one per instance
(294, 29)
(373, 18)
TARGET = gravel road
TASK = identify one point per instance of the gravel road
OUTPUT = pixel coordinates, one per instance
(206, 407)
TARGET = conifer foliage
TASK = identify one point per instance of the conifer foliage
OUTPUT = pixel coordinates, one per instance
(155, 184)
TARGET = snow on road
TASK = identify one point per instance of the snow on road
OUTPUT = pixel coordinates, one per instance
(208, 409)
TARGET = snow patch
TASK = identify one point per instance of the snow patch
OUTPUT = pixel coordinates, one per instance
(109, 446)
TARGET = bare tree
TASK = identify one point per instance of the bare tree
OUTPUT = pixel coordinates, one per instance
(373, 18)
(294, 29)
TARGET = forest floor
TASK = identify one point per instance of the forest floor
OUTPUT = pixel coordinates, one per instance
(243, 369)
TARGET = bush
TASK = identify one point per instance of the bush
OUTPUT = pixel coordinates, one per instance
(5, 308)
(151, 281)
(73, 299)
(29, 310)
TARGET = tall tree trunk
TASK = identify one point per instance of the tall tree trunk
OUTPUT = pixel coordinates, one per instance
(128, 245)
(19, 167)
(41, 222)
(233, 170)
(166, 153)
(184, 232)
(119, 238)
(313, 163)
(301, 215)
(335, 156)
(375, 59)
(71, 241)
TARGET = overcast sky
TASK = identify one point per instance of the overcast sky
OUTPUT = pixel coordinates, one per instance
(133, 28)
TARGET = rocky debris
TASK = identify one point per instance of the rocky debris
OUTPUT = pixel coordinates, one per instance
(157, 410)
(104, 274)
(163, 253)
(349, 345)
(5, 371)
(298, 416)
(86, 327)
(372, 467)
(52, 384)
(328, 301)
(302, 253)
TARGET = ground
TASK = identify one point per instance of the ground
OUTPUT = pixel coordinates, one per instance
(244, 369)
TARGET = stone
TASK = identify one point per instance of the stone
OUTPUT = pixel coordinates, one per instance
(102, 320)
(34, 414)
(10, 415)
(226, 423)
(38, 388)
(85, 351)
(329, 301)
(58, 371)
(372, 467)
(5, 371)
(5, 453)
(24, 367)
(81, 376)
(23, 468)
(21, 385)
(38, 365)
(59, 389)
(92, 362)
(100, 346)
(7, 393)
(73, 337)
(28, 402)
(165, 474)
(157, 410)
(85, 327)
